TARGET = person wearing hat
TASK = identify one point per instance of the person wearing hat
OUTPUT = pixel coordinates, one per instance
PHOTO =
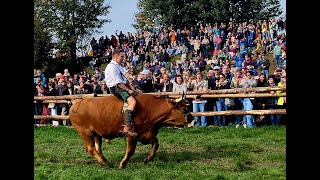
(121, 88)
(216, 68)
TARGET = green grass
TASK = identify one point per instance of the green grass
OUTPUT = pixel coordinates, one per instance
(188, 153)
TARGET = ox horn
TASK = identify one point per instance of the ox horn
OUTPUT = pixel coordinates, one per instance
(179, 99)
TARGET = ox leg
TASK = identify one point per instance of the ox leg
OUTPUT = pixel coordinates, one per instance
(131, 147)
(91, 142)
(153, 150)
(97, 144)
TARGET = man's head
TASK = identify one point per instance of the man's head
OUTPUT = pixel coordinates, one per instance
(39, 72)
(210, 73)
(58, 76)
(94, 80)
(216, 69)
(118, 55)
(166, 77)
(225, 69)
(61, 82)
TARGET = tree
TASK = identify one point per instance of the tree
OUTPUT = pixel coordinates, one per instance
(191, 12)
(42, 42)
(71, 20)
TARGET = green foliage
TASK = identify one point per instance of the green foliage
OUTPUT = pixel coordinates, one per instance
(42, 40)
(188, 153)
(71, 21)
(189, 12)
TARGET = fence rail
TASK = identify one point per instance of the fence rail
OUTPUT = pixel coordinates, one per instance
(224, 93)
(208, 113)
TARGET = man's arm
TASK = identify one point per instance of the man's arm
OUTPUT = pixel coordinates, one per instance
(123, 86)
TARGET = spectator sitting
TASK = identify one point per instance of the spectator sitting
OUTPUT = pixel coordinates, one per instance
(66, 73)
(37, 74)
(96, 87)
(99, 74)
(104, 88)
(93, 62)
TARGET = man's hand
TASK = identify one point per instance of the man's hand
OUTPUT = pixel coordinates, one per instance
(132, 92)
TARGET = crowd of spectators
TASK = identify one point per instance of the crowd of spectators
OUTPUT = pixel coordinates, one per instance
(175, 59)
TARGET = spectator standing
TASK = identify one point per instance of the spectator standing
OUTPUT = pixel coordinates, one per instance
(52, 106)
(221, 83)
(179, 85)
(272, 102)
(235, 83)
(199, 103)
(249, 81)
(63, 90)
(277, 53)
(282, 101)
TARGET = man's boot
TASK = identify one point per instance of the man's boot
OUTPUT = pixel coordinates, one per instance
(128, 124)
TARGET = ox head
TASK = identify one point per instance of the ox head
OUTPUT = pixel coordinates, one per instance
(180, 114)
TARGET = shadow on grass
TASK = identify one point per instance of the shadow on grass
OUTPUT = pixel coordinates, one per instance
(205, 154)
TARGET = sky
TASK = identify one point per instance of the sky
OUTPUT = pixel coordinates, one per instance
(122, 16)
(283, 6)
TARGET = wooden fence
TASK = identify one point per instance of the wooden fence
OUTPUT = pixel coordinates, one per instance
(224, 93)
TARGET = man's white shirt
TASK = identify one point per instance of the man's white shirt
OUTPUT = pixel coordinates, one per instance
(113, 75)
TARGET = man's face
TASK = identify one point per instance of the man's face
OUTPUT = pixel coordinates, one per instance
(225, 69)
(165, 78)
(94, 80)
(62, 82)
(120, 57)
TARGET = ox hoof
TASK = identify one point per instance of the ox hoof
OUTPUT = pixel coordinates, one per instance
(106, 165)
(121, 167)
(146, 161)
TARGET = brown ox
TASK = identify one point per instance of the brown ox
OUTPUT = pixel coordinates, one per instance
(101, 117)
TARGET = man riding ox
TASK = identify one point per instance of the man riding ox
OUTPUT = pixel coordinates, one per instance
(121, 88)
(101, 117)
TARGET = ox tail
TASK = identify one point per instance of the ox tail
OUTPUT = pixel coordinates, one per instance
(75, 103)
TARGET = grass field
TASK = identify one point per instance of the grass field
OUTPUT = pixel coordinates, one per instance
(189, 153)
